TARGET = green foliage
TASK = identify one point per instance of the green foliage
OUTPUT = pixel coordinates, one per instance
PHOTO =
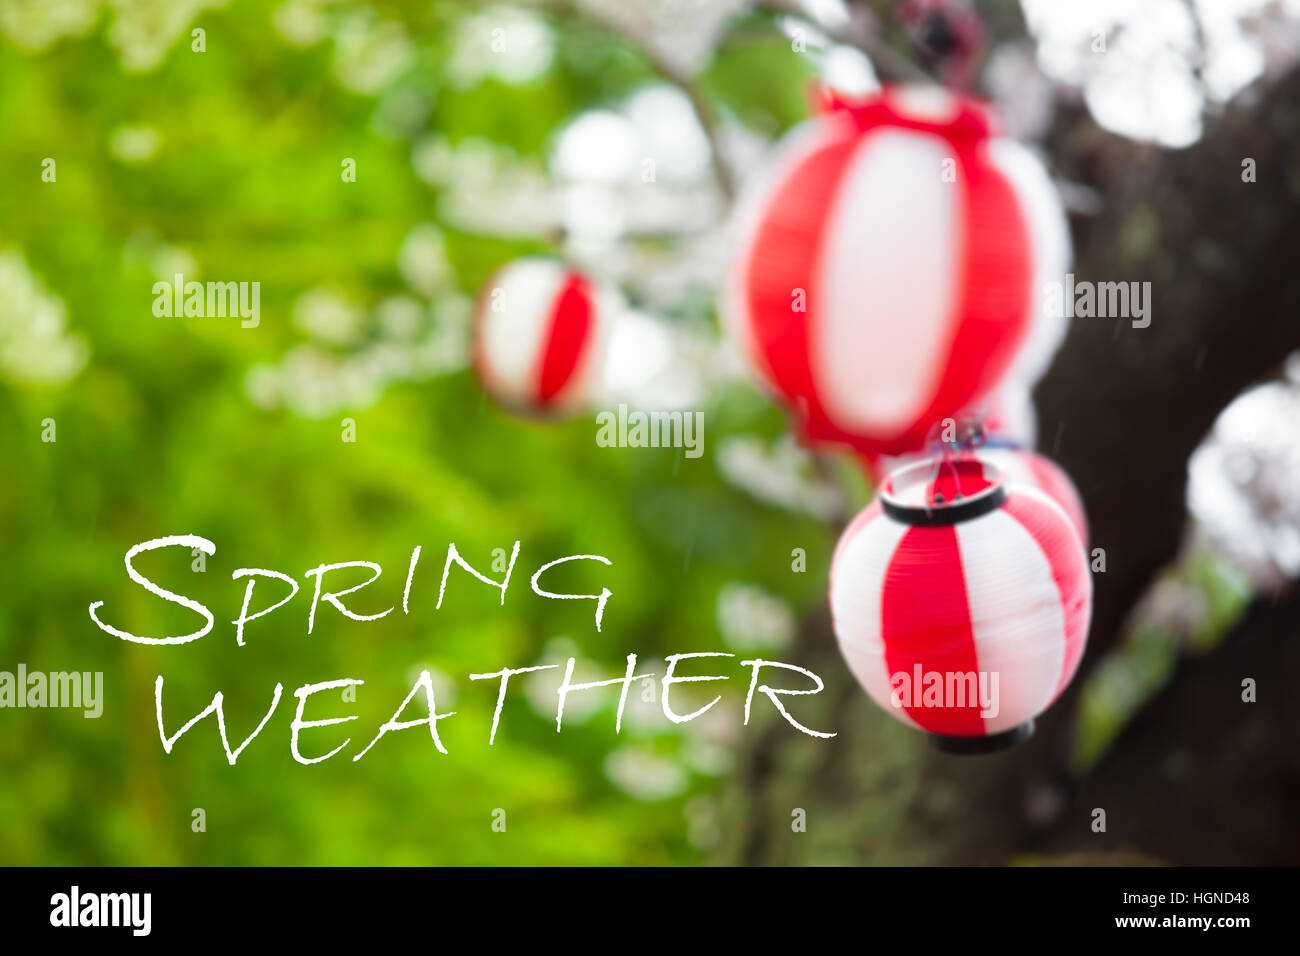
(157, 435)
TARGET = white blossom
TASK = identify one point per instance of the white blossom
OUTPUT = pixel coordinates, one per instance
(35, 346)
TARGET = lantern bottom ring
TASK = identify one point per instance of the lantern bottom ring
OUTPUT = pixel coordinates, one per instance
(984, 745)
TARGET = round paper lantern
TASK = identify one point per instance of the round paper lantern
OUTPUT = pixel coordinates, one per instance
(886, 266)
(961, 602)
(540, 333)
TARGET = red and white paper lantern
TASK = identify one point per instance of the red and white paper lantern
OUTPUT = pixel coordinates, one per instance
(955, 576)
(887, 267)
(540, 334)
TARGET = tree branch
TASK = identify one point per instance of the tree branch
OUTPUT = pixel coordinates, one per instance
(862, 32)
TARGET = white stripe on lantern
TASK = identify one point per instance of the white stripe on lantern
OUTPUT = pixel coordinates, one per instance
(514, 337)
(1011, 406)
(1016, 616)
(1011, 462)
(924, 102)
(861, 568)
(1049, 233)
(880, 335)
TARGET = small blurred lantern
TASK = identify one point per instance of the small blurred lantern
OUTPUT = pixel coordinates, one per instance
(540, 334)
(961, 602)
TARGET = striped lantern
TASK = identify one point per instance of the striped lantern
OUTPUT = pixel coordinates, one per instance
(887, 267)
(961, 602)
(540, 334)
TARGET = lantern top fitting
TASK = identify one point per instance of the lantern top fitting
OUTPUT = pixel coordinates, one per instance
(922, 107)
(943, 491)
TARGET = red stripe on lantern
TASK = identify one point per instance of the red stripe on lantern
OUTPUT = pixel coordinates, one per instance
(784, 258)
(926, 624)
(567, 339)
(1053, 480)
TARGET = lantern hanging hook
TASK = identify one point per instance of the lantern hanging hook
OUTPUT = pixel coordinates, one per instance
(969, 435)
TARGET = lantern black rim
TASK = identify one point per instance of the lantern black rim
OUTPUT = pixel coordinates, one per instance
(967, 508)
(992, 743)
